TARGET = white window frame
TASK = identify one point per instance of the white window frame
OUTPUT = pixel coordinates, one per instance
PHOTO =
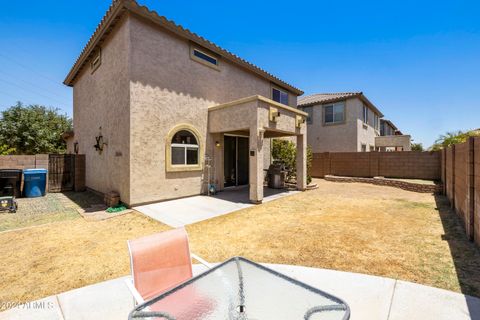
(185, 146)
(280, 95)
(324, 107)
(169, 167)
(365, 114)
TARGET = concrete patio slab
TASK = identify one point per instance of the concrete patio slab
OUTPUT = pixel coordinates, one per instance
(367, 296)
(105, 300)
(185, 211)
(43, 309)
(417, 302)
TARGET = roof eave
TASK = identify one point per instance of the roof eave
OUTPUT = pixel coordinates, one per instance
(113, 15)
(370, 104)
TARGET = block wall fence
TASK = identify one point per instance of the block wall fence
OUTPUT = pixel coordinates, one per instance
(461, 179)
(458, 167)
(406, 164)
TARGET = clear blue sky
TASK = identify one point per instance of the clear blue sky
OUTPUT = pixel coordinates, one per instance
(418, 61)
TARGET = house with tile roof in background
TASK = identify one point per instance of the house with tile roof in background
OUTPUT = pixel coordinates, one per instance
(162, 113)
(349, 122)
(341, 122)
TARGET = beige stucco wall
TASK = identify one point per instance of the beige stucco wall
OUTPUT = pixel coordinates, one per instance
(167, 87)
(101, 99)
(333, 138)
(342, 137)
(366, 133)
(403, 141)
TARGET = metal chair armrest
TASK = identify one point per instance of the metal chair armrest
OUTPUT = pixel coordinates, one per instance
(136, 295)
(205, 263)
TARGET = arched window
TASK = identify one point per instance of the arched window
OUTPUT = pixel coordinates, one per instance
(185, 148)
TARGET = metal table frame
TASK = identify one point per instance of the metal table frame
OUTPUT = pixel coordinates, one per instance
(138, 313)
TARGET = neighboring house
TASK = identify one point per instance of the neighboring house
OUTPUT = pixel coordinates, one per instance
(392, 139)
(341, 122)
(161, 112)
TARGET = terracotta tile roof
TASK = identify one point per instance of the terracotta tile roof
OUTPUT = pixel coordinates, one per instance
(322, 98)
(119, 7)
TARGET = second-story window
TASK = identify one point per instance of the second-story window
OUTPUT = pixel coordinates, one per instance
(309, 110)
(279, 96)
(376, 121)
(365, 114)
(203, 57)
(334, 113)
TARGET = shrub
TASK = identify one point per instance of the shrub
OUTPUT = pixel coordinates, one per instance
(286, 152)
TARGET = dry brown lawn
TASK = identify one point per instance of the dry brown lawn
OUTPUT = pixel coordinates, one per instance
(44, 260)
(353, 227)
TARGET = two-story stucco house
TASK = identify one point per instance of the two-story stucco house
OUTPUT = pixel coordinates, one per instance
(161, 112)
(341, 122)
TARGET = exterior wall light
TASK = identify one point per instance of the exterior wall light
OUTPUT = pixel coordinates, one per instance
(299, 121)
(217, 144)
(100, 143)
(274, 114)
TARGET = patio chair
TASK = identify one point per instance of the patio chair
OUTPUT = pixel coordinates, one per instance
(159, 262)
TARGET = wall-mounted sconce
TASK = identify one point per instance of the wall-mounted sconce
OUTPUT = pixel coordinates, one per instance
(299, 121)
(75, 147)
(100, 143)
(274, 114)
(217, 144)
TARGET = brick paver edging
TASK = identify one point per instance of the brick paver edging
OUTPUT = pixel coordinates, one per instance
(409, 186)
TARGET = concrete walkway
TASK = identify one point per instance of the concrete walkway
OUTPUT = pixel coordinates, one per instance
(369, 298)
(185, 211)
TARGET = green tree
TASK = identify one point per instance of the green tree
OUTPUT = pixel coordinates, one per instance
(33, 129)
(6, 150)
(286, 152)
(451, 138)
(417, 147)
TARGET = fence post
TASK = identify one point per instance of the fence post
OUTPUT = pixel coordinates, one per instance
(453, 177)
(329, 163)
(471, 187)
(443, 167)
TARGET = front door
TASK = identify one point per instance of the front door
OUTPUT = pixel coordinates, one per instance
(235, 161)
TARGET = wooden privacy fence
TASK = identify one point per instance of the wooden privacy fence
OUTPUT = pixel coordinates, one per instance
(461, 179)
(406, 164)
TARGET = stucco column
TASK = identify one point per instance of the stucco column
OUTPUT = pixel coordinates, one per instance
(218, 153)
(302, 162)
(255, 166)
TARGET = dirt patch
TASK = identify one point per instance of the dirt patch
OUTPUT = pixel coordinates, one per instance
(45, 260)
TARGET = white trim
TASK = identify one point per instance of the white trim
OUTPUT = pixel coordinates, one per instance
(281, 91)
(205, 263)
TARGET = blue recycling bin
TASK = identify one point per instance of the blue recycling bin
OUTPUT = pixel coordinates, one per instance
(34, 182)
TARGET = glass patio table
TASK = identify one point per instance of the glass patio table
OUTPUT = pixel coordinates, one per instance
(239, 289)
